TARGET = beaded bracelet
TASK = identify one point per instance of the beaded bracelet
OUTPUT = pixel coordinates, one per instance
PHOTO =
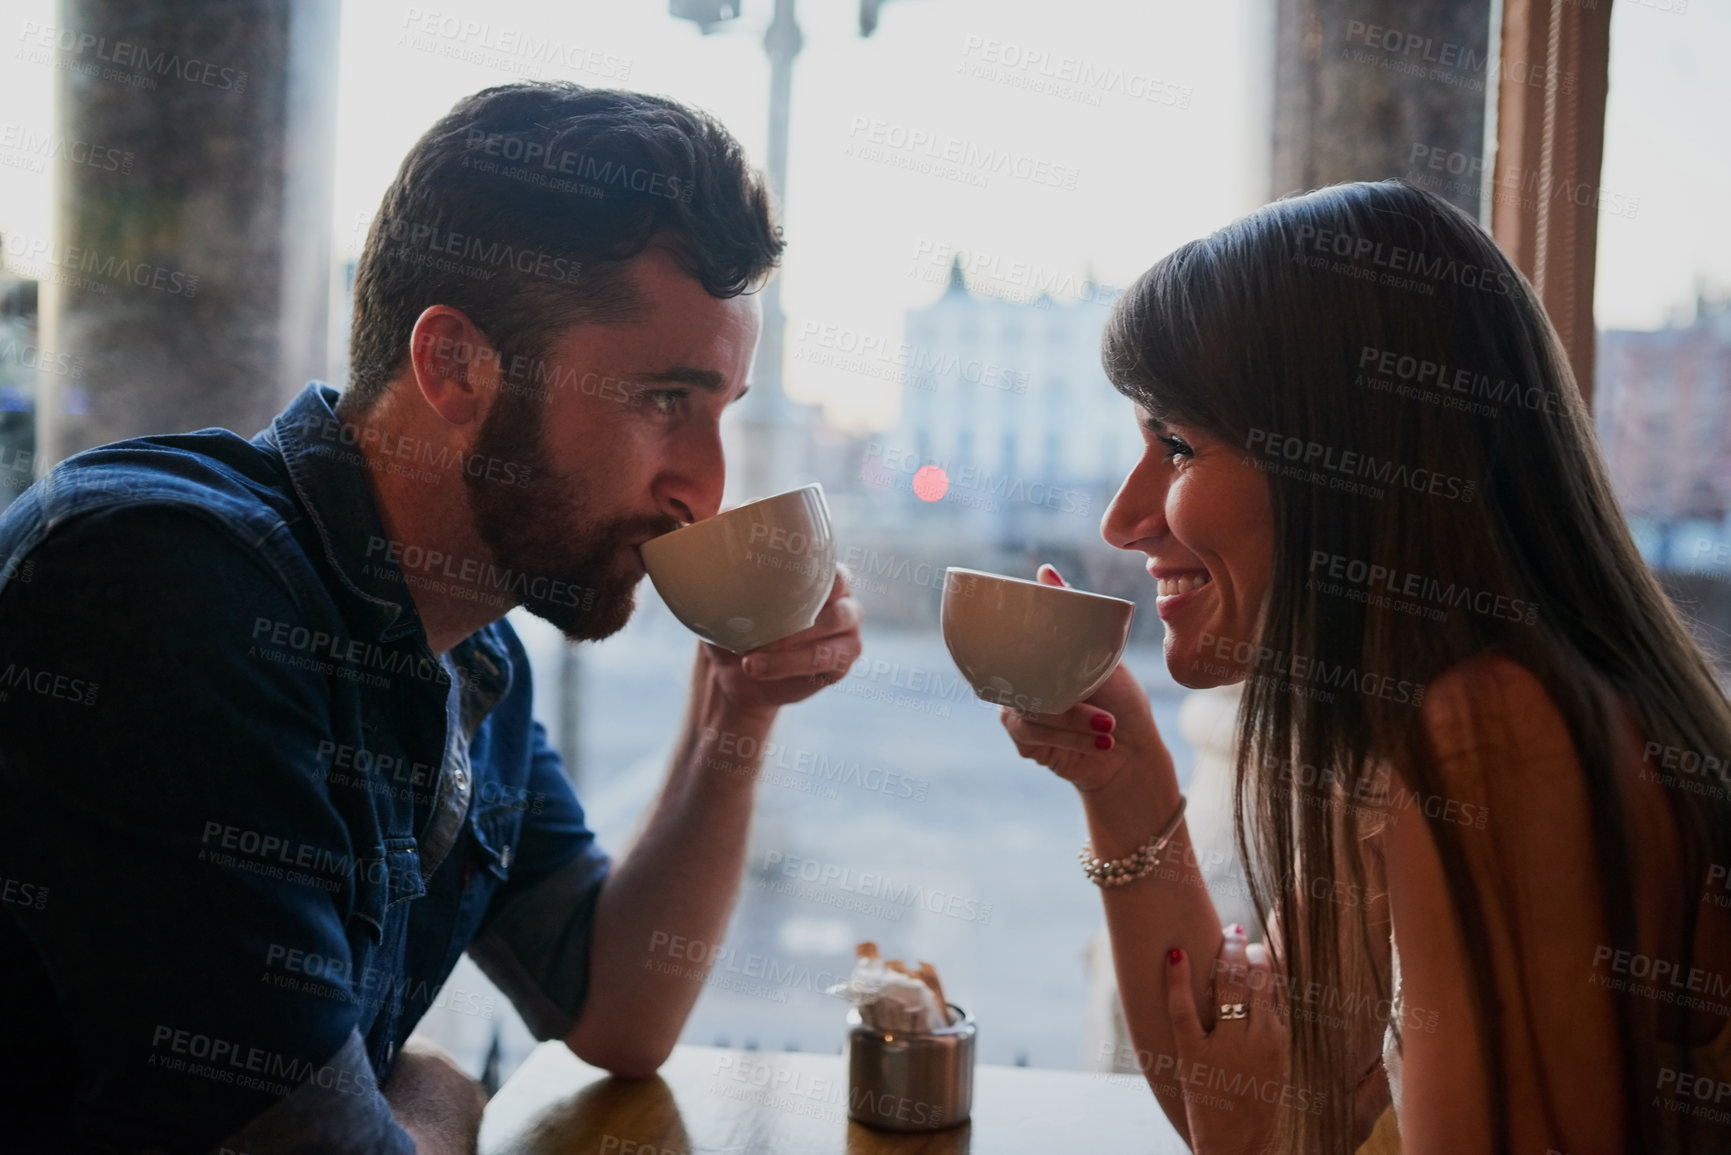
(1136, 864)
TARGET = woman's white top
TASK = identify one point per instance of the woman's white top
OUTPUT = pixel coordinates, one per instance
(1391, 1033)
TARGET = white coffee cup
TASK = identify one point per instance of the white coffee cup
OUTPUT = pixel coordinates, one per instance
(749, 576)
(1038, 648)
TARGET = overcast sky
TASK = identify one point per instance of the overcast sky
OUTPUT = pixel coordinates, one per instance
(1143, 174)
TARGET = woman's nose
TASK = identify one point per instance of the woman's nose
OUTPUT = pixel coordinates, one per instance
(1138, 510)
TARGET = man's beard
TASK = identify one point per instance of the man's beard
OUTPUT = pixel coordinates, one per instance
(563, 562)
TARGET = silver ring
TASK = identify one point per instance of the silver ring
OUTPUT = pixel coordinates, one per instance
(1233, 1011)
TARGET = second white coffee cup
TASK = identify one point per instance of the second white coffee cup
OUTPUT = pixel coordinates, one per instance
(1036, 648)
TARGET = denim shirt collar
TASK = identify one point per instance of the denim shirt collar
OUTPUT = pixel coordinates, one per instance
(331, 481)
(329, 474)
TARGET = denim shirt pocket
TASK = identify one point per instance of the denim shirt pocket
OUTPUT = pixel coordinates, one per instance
(385, 878)
(497, 826)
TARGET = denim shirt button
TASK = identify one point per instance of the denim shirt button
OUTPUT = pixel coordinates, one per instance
(505, 855)
(462, 779)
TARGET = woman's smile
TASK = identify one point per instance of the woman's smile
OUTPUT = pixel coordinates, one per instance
(1177, 588)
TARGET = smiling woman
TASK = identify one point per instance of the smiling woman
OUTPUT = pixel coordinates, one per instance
(1206, 520)
(1432, 607)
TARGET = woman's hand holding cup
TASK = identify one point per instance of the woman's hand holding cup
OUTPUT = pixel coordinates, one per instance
(1090, 744)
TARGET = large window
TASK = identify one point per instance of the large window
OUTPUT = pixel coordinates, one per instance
(893, 807)
(1663, 300)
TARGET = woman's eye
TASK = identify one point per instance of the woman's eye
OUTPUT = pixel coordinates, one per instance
(1176, 447)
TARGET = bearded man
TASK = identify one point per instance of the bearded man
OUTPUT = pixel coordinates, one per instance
(266, 749)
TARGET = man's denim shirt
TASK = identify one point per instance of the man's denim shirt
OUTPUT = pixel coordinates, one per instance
(248, 820)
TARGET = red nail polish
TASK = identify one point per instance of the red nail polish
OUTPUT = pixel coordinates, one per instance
(1237, 929)
(1174, 957)
(1101, 722)
(1103, 742)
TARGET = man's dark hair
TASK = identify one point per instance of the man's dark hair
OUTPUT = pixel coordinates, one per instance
(521, 205)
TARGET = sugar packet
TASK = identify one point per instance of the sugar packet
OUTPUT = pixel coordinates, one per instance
(890, 997)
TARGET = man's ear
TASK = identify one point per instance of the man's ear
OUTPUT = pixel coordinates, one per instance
(454, 366)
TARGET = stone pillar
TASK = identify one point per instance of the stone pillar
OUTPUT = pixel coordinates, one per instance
(192, 277)
(1373, 89)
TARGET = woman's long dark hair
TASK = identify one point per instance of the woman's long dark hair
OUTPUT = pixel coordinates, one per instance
(1425, 421)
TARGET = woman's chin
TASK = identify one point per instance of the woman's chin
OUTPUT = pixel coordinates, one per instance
(1193, 671)
(1193, 679)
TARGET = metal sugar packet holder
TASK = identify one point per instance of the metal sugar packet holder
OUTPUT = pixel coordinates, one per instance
(911, 1080)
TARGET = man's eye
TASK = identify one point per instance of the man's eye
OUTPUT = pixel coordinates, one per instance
(667, 401)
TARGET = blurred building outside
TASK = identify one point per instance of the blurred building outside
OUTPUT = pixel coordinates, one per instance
(1664, 422)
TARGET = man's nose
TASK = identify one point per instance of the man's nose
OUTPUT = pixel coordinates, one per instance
(691, 487)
